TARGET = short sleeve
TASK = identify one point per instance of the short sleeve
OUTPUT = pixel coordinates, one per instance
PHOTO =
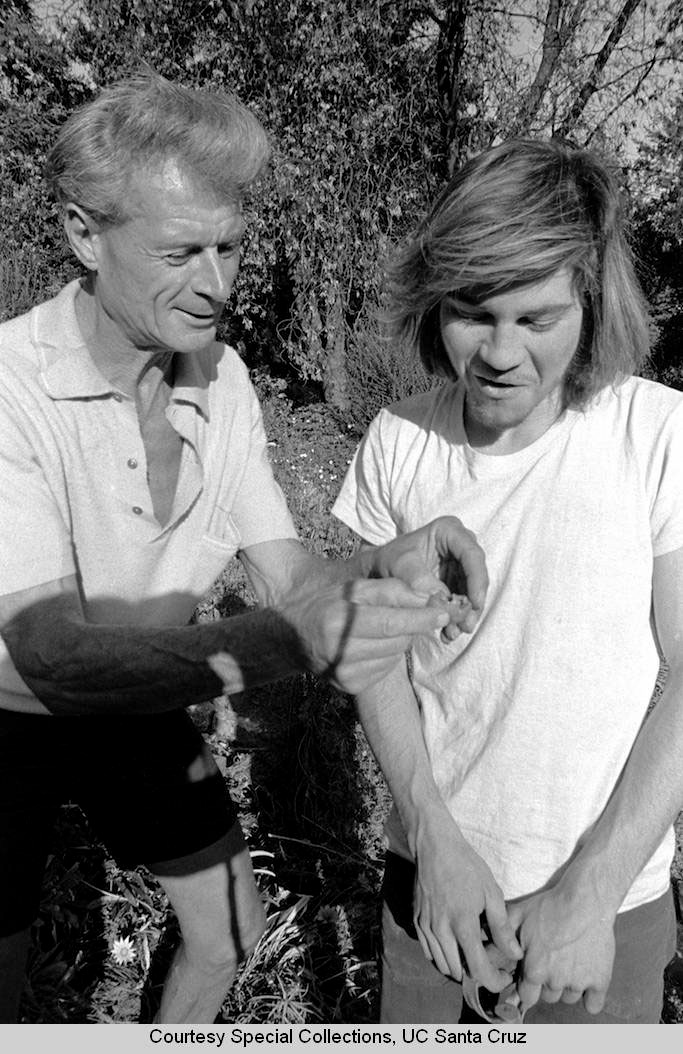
(259, 511)
(364, 499)
(35, 543)
(666, 517)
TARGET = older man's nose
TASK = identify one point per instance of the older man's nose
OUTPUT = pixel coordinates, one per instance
(214, 276)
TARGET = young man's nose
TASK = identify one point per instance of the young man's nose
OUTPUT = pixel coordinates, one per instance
(501, 349)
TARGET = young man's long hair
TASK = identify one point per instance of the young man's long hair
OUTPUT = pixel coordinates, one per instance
(515, 215)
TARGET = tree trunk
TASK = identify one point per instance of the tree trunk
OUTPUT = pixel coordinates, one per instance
(592, 83)
(450, 51)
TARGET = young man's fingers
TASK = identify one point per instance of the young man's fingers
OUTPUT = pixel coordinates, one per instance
(445, 956)
(594, 1000)
(479, 965)
(551, 995)
(434, 952)
(529, 993)
(500, 928)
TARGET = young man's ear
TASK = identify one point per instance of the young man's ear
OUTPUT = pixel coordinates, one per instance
(83, 235)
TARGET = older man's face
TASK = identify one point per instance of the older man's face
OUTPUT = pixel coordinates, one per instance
(164, 275)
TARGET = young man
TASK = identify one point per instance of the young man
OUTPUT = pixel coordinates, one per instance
(133, 468)
(532, 798)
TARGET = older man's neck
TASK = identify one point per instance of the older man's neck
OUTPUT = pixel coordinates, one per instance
(127, 367)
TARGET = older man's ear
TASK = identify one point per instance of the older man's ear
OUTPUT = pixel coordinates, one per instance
(82, 234)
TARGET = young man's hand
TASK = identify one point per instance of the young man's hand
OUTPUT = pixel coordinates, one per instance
(455, 894)
(568, 950)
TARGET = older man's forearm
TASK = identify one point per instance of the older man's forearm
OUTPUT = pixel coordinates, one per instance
(76, 668)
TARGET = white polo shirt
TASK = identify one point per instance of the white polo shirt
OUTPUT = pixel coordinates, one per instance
(74, 497)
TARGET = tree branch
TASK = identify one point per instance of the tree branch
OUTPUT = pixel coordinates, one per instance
(557, 32)
(590, 86)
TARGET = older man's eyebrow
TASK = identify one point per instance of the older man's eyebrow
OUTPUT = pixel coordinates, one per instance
(176, 242)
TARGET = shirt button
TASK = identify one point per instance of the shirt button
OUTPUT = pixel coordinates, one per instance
(137, 510)
(132, 463)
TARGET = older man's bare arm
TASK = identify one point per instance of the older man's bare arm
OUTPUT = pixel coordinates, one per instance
(319, 618)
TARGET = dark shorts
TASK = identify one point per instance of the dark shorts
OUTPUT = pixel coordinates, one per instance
(414, 992)
(148, 786)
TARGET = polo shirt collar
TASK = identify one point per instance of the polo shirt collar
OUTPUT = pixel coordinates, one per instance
(68, 371)
(191, 380)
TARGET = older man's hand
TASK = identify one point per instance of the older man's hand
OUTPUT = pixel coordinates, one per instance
(443, 558)
(353, 633)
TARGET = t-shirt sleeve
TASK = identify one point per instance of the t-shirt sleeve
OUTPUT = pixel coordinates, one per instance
(666, 517)
(364, 502)
(259, 510)
(35, 544)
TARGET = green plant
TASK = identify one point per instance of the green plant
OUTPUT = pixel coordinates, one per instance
(380, 373)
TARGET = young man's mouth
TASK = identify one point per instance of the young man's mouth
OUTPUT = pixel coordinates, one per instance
(489, 384)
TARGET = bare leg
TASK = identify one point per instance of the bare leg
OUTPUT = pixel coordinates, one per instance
(13, 953)
(221, 918)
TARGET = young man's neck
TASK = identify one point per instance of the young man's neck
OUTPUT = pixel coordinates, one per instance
(498, 441)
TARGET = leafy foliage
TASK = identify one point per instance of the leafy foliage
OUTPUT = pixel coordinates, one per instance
(369, 104)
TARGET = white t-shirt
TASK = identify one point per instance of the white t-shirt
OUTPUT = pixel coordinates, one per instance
(529, 721)
(74, 497)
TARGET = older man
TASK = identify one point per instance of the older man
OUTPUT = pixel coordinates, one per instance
(133, 469)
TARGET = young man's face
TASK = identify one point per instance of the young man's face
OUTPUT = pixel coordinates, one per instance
(512, 352)
(164, 275)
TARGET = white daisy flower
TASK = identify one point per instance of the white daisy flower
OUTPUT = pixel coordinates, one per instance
(122, 950)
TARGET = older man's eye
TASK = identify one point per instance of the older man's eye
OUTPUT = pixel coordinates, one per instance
(178, 258)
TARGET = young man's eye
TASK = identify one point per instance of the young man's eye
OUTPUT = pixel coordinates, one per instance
(538, 325)
(463, 314)
(228, 249)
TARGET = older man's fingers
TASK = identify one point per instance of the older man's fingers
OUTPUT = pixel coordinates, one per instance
(463, 558)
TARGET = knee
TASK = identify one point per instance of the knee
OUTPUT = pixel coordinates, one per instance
(218, 954)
